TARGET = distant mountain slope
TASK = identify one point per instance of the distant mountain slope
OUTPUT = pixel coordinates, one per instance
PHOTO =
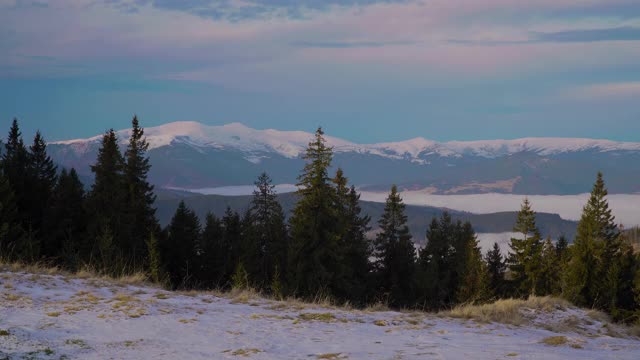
(193, 155)
(419, 216)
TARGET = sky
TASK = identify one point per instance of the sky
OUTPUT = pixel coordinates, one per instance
(365, 70)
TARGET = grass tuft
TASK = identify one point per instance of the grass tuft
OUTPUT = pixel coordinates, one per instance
(507, 311)
(555, 340)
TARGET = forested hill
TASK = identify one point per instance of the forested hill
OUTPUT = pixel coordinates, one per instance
(419, 216)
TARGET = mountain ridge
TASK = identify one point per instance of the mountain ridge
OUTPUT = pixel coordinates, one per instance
(192, 155)
(292, 143)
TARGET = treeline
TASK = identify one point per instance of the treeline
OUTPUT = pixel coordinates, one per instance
(321, 251)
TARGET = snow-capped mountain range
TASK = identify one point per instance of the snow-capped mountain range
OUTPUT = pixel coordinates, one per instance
(190, 154)
(291, 144)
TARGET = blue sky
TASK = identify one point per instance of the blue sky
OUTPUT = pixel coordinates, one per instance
(366, 70)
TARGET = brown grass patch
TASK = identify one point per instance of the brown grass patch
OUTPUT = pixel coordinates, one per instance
(555, 340)
(507, 311)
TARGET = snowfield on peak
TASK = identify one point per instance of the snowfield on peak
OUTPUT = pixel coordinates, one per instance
(60, 317)
(291, 144)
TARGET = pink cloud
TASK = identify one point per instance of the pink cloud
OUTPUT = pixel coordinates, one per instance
(606, 91)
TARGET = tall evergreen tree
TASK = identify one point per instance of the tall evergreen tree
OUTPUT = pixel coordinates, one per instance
(439, 279)
(214, 255)
(233, 239)
(395, 253)
(526, 252)
(314, 253)
(17, 171)
(496, 267)
(179, 251)
(473, 283)
(140, 213)
(43, 181)
(107, 200)
(267, 231)
(10, 229)
(593, 272)
(15, 164)
(550, 267)
(626, 306)
(66, 223)
(354, 280)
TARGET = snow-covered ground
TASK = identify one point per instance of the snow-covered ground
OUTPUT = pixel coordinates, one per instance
(59, 317)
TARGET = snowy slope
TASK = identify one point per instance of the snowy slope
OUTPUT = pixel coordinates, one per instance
(54, 317)
(291, 144)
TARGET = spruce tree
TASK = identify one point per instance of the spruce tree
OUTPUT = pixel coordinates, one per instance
(550, 266)
(354, 280)
(179, 252)
(496, 267)
(15, 165)
(232, 238)
(214, 254)
(106, 202)
(438, 263)
(66, 239)
(10, 230)
(266, 233)
(17, 171)
(526, 252)
(140, 213)
(593, 271)
(43, 180)
(626, 306)
(395, 253)
(314, 253)
(473, 278)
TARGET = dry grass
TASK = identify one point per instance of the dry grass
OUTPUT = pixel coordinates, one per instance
(245, 352)
(507, 311)
(87, 272)
(332, 356)
(555, 340)
(323, 317)
(599, 316)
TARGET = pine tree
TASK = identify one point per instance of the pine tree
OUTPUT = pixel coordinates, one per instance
(438, 262)
(15, 164)
(140, 213)
(233, 239)
(66, 223)
(10, 229)
(395, 253)
(593, 271)
(214, 254)
(496, 267)
(43, 181)
(549, 276)
(473, 284)
(524, 259)
(353, 280)
(266, 233)
(314, 253)
(17, 171)
(626, 305)
(106, 200)
(179, 252)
